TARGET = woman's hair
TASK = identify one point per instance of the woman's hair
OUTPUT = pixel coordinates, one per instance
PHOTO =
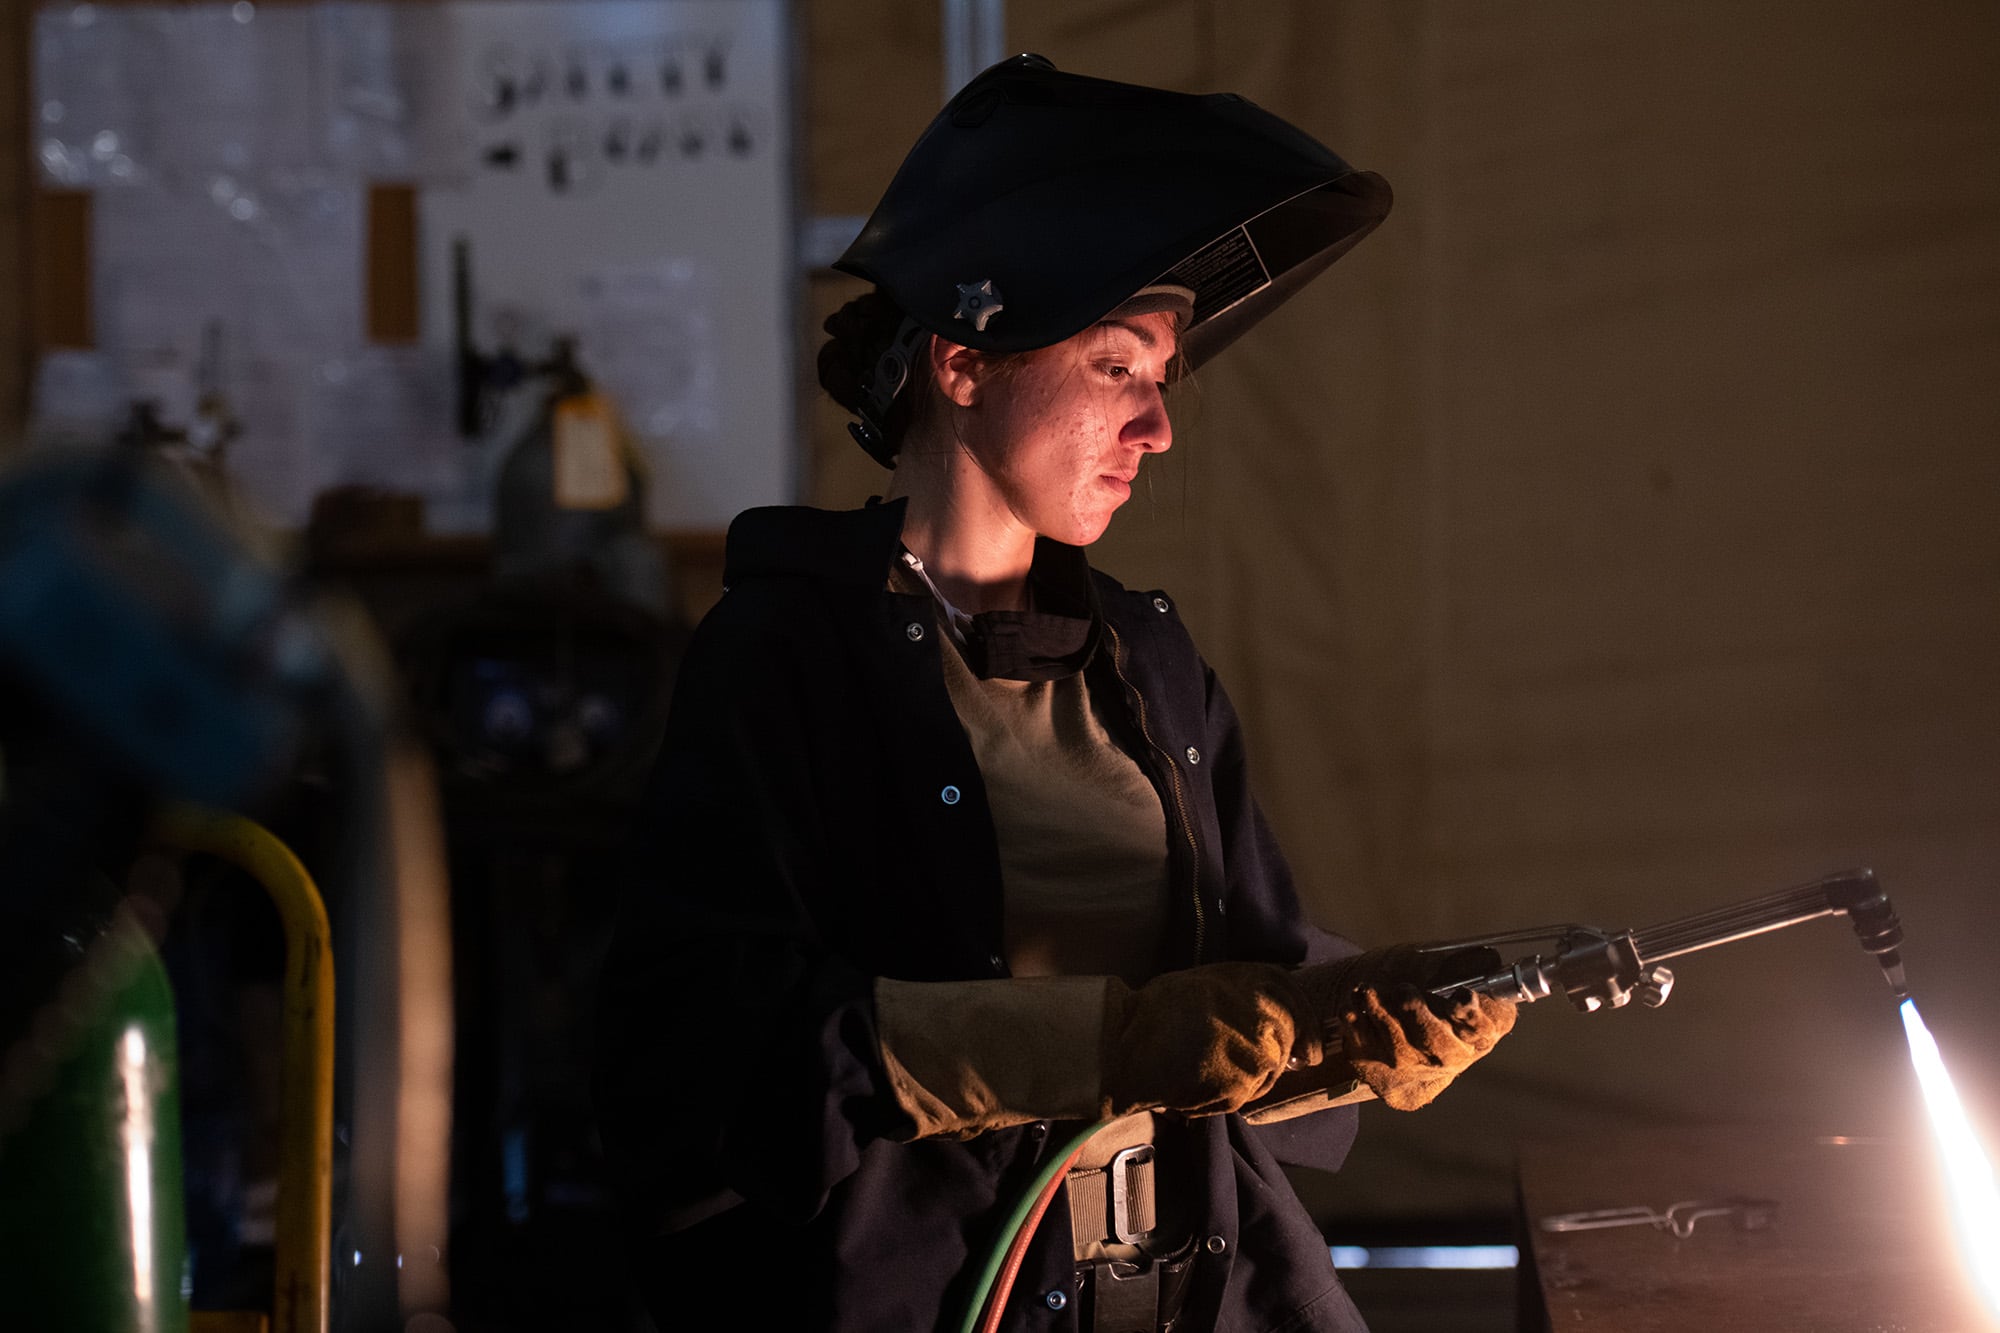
(857, 336)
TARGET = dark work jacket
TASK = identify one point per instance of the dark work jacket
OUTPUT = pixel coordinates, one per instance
(817, 819)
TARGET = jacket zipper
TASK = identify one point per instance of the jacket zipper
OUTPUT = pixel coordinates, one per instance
(1174, 785)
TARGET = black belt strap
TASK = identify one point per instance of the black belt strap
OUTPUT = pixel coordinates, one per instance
(1142, 1297)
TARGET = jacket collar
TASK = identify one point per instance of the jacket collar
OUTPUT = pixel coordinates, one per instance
(839, 546)
(859, 547)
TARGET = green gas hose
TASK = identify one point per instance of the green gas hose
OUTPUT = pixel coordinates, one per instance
(1021, 1223)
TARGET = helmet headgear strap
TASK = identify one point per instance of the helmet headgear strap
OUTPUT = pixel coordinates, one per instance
(892, 372)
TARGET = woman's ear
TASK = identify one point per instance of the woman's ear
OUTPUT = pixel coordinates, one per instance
(959, 371)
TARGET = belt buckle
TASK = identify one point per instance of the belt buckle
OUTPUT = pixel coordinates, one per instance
(1124, 1225)
(1124, 1298)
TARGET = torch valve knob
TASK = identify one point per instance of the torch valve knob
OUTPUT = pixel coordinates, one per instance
(1655, 985)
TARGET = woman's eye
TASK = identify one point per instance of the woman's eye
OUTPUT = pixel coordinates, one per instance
(1117, 372)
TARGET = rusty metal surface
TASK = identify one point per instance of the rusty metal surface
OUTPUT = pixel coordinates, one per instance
(1860, 1238)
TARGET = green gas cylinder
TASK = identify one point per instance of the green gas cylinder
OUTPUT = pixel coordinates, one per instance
(92, 1233)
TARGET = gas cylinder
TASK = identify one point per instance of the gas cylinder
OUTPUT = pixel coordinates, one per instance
(91, 1215)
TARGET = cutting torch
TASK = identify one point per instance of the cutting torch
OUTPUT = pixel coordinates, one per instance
(1606, 969)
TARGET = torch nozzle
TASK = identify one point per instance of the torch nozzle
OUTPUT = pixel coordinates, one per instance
(1875, 923)
(1892, 968)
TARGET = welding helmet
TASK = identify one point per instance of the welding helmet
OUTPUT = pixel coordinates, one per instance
(1039, 201)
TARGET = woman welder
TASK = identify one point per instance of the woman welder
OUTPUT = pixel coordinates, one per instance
(951, 849)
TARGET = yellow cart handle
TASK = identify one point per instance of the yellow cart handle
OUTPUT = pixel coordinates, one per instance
(304, 1243)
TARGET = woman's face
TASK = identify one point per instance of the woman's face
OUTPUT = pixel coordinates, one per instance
(1061, 432)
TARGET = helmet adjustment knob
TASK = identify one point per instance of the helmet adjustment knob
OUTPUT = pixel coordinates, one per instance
(978, 302)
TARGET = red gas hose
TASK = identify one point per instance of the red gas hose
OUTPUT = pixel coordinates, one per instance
(1018, 1249)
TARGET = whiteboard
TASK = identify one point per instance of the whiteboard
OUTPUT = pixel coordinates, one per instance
(623, 174)
(621, 169)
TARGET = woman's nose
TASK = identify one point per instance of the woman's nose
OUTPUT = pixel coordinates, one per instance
(1150, 427)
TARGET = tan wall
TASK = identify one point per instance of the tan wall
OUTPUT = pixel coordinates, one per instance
(1712, 301)
(1613, 535)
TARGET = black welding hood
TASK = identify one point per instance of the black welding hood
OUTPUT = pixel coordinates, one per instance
(1039, 201)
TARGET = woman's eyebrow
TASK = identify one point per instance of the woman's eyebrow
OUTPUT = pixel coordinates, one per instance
(1139, 331)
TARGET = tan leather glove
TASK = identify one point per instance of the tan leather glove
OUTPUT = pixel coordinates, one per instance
(1207, 1039)
(1408, 1045)
(1400, 1040)
(968, 1056)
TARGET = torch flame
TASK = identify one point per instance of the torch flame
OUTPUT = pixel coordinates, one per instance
(1967, 1171)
